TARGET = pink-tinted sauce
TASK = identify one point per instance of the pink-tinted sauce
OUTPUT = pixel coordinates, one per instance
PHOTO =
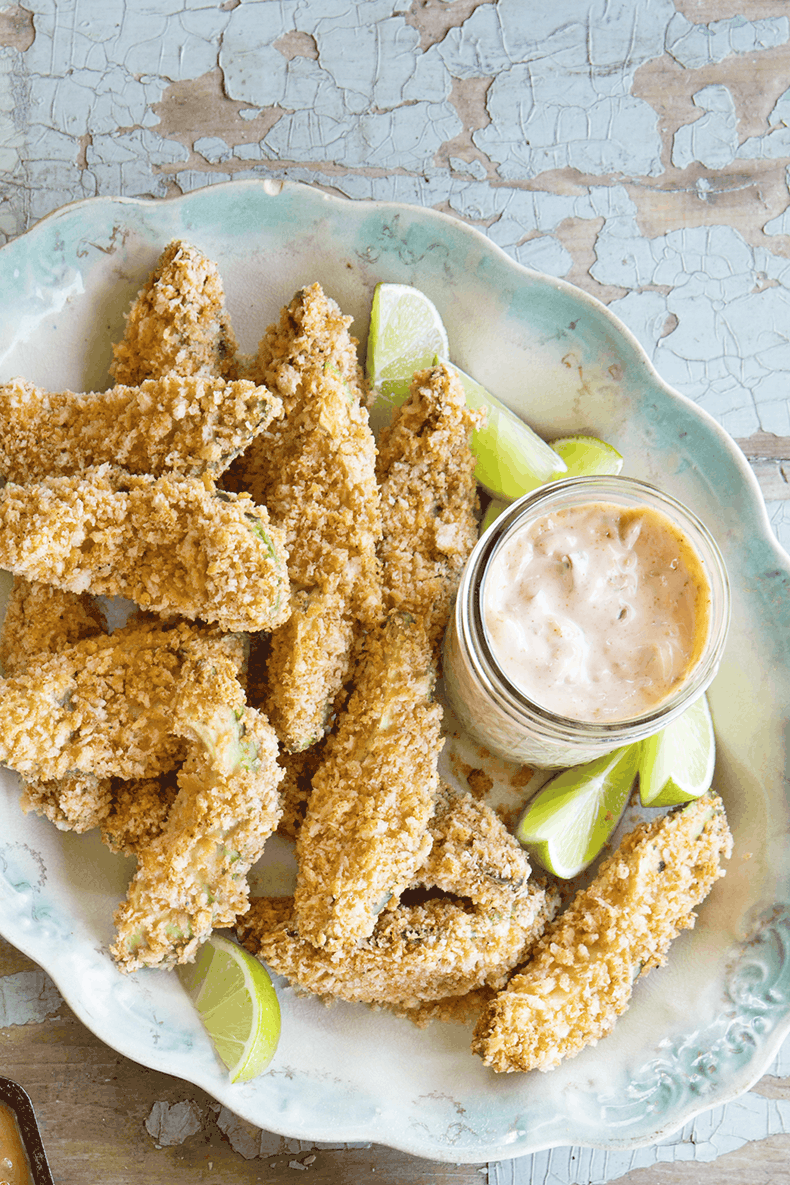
(597, 612)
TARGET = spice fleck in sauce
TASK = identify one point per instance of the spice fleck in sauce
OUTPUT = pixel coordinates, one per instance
(597, 612)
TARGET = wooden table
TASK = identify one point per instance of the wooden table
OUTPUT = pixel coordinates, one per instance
(662, 163)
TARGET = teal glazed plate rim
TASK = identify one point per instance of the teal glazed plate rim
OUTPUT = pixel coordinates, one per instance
(702, 1029)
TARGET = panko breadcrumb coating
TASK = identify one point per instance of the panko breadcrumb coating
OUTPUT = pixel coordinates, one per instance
(429, 498)
(308, 663)
(178, 322)
(172, 544)
(192, 877)
(315, 471)
(102, 707)
(188, 424)
(473, 854)
(75, 802)
(415, 954)
(365, 831)
(42, 619)
(581, 974)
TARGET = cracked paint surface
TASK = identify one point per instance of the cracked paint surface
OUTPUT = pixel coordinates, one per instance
(542, 124)
(27, 998)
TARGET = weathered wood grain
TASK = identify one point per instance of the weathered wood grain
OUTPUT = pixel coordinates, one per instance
(769, 457)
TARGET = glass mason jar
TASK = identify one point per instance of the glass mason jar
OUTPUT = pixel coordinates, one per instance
(499, 715)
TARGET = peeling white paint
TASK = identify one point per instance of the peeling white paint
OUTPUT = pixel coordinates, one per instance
(475, 168)
(731, 341)
(251, 1142)
(697, 45)
(712, 1134)
(213, 148)
(122, 163)
(27, 998)
(169, 1124)
(713, 139)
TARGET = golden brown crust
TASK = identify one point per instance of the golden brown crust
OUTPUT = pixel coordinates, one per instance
(192, 876)
(428, 498)
(102, 707)
(415, 954)
(580, 975)
(189, 424)
(472, 853)
(178, 322)
(365, 832)
(172, 544)
(42, 619)
(307, 666)
(137, 812)
(75, 802)
(315, 471)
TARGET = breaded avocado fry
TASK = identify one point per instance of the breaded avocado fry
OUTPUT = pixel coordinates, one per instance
(192, 876)
(581, 974)
(172, 544)
(314, 470)
(472, 853)
(178, 322)
(102, 707)
(41, 620)
(365, 832)
(416, 953)
(189, 424)
(429, 498)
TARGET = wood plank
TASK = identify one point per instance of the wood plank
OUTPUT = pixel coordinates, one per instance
(769, 457)
(764, 446)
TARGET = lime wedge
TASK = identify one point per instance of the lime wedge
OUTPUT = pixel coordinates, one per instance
(676, 764)
(570, 819)
(492, 513)
(586, 456)
(237, 1003)
(511, 459)
(406, 334)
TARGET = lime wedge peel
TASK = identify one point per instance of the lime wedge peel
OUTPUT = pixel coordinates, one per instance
(512, 460)
(587, 456)
(492, 513)
(237, 1004)
(572, 817)
(676, 765)
(406, 334)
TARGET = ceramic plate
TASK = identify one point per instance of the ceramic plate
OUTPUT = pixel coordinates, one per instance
(700, 1030)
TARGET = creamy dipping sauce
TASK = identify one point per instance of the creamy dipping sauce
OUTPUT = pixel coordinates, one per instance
(14, 1165)
(597, 612)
